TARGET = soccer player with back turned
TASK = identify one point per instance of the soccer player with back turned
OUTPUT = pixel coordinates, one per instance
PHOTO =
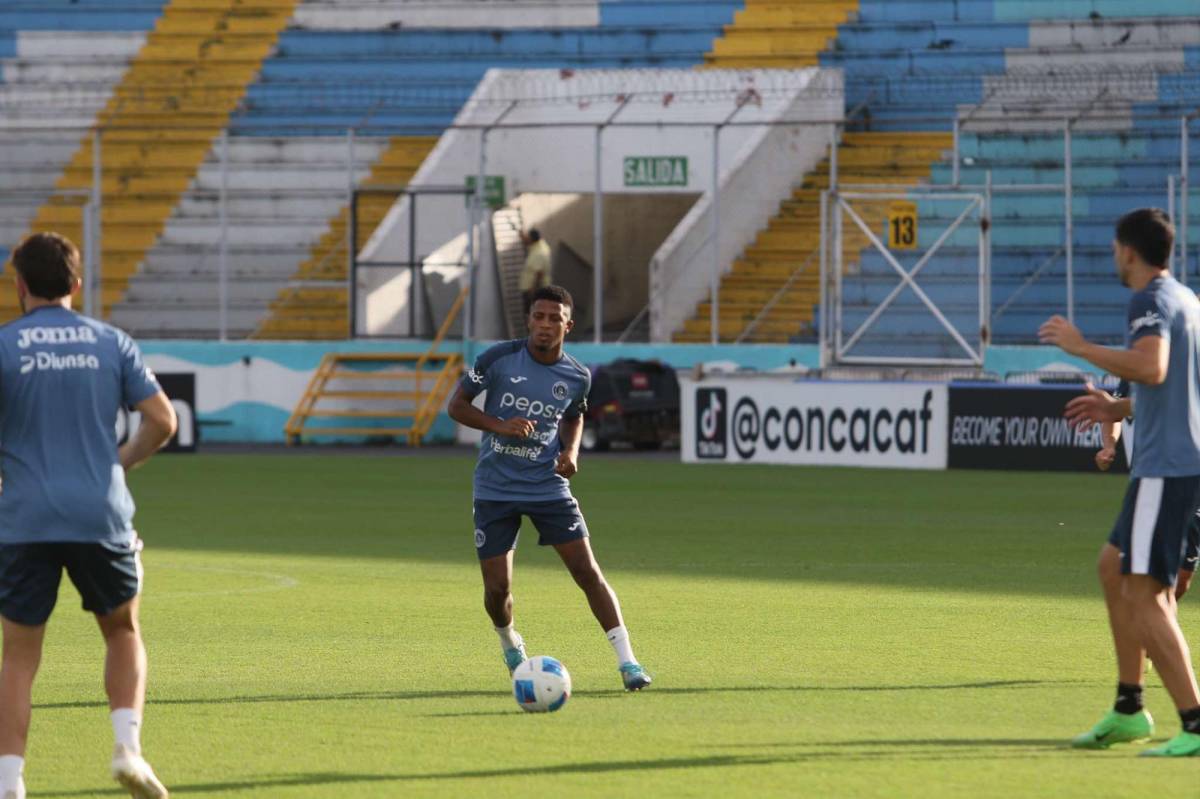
(1139, 564)
(532, 422)
(63, 499)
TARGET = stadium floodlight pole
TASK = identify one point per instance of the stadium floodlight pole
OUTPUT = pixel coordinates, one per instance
(223, 252)
(957, 151)
(598, 224)
(350, 254)
(1185, 187)
(823, 321)
(1171, 259)
(714, 307)
(1069, 203)
(91, 307)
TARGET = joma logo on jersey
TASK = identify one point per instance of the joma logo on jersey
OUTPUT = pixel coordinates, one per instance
(531, 407)
(1149, 319)
(55, 335)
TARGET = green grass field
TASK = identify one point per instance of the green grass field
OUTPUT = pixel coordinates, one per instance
(315, 629)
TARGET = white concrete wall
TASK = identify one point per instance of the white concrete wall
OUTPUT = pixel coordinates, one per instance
(375, 14)
(550, 156)
(751, 187)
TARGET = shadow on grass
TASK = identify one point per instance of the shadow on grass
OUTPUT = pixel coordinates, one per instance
(405, 696)
(603, 767)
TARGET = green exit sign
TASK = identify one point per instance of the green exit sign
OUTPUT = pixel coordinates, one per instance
(493, 190)
(656, 170)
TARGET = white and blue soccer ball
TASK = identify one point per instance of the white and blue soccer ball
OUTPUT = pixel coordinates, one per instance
(541, 685)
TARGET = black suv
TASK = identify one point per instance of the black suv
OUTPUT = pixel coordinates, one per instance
(635, 402)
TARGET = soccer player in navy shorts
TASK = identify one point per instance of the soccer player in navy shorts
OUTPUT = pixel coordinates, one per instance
(64, 504)
(532, 421)
(1111, 435)
(1139, 564)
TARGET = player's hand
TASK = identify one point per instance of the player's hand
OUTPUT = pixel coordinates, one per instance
(1105, 458)
(1058, 331)
(516, 428)
(567, 465)
(1095, 406)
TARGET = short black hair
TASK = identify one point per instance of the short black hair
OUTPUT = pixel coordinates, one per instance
(554, 294)
(1150, 233)
(535, 234)
(49, 265)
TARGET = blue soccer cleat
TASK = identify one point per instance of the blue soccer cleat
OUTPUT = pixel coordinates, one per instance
(634, 676)
(516, 656)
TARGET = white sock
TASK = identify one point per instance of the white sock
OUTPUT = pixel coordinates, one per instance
(127, 728)
(619, 638)
(11, 767)
(509, 637)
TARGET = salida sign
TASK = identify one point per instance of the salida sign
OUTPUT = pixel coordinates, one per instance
(851, 424)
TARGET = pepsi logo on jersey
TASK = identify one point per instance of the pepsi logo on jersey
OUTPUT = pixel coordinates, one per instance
(530, 407)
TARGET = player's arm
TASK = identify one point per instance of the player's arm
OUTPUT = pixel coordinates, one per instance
(1144, 362)
(1097, 406)
(462, 411)
(570, 433)
(1110, 434)
(157, 427)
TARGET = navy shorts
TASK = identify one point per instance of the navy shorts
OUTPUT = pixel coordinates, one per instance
(1155, 530)
(498, 523)
(106, 576)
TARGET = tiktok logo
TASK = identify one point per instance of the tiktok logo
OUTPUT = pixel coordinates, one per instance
(711, 425)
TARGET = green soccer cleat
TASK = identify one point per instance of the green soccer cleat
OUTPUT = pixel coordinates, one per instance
(1116, 728)
(634, 676)
(516, 656)
(1185, 744)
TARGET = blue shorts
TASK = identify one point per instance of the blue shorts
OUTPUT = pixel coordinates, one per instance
(106, 576)
(1156, 530)
(497, 524)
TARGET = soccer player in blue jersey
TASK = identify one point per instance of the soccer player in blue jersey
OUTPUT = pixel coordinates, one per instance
(63, 500)
(532, 421)
(1162, 361)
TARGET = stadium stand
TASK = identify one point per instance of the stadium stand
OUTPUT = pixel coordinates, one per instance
(398, 87)
(1010, 72)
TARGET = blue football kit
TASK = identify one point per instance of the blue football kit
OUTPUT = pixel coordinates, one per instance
(516, 477)
(63, 498)
(1161, 502)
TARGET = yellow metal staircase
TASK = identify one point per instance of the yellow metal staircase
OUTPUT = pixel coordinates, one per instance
(418, 385)
(321, 313)
(782, 267)
(159, 125)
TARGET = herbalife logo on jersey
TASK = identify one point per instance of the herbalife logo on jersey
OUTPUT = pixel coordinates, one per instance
(711, 404)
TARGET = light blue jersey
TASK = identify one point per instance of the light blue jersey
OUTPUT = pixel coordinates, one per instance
(519, 387)
(1168, 415)
(63, 378)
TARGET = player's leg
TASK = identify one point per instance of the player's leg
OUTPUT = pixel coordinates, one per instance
(496, 527)
(561, 525)
(1131, 657)
(1165, 508)
(1128, 720)
(19, 666)
(1153, 608)
(29, 579)
(109, 580)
